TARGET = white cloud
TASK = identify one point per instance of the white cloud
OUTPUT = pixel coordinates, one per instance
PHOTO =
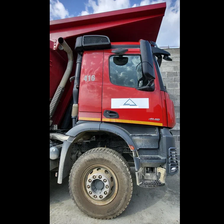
(57, 10)
(104, 6)
(85, 12)
(148, 2)
(144, 2)
(169, 33)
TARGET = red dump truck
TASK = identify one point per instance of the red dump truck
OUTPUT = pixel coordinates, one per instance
(109, 108)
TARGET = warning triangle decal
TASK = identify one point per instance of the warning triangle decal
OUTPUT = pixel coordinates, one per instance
(129, 102)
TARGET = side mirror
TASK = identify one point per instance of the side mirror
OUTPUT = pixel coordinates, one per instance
(147, 60)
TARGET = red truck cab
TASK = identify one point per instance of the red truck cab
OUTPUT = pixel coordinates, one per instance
(111, 92)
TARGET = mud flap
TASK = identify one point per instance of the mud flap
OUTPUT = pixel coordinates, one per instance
(65, 163)
(162, 177)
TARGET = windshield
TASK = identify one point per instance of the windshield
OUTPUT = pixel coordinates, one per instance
(126, 70)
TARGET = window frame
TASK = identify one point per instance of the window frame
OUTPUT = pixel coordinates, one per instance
(161, 84)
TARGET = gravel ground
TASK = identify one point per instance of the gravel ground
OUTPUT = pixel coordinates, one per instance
(159, 205)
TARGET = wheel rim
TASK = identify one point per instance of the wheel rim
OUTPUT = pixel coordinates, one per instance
(100, 184)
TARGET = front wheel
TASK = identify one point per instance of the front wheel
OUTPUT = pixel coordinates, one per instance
(100, 183)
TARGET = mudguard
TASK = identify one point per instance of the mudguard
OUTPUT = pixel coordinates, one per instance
(65, 161)
(98, 126)
(117, 130)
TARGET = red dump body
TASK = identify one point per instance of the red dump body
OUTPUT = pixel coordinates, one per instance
(127, 27)
(120, 26)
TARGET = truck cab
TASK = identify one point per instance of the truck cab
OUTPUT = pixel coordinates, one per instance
(118, 94)
(114, 89)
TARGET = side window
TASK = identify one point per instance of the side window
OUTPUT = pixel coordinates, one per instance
(126, 70)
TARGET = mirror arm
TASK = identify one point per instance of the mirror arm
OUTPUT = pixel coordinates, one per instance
(149, 87)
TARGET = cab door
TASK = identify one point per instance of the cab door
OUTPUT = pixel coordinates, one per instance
(122, 102)
(90, 90)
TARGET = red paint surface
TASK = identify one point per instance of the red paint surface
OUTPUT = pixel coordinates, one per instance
(90, 92)
(171, 120)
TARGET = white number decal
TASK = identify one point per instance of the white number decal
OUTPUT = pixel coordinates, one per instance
(93, 78)
(89, 78)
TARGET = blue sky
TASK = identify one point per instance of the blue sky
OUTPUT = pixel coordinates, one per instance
(169, 33)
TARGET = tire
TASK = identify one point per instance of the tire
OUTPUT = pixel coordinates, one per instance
(100, 183)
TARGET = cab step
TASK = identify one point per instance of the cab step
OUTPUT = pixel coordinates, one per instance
(150, 183)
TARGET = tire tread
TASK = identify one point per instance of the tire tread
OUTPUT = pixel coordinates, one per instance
(114, 155)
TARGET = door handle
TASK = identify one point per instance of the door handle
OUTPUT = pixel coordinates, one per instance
(110, 114)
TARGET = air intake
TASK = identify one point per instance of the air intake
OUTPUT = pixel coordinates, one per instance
(92, 42)
(89, 40)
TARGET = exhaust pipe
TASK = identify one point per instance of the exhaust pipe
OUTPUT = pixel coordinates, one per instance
(57, 96)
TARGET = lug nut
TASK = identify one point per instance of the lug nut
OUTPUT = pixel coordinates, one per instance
(104, 180)
(94, 176)
(105, 192)
(88, 186)
(100, 176)
(90, 192)
(107, 186)
(94, 196)
(101, 196)
(90, 180)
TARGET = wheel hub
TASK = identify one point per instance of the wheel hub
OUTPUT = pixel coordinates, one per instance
(99, 184)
